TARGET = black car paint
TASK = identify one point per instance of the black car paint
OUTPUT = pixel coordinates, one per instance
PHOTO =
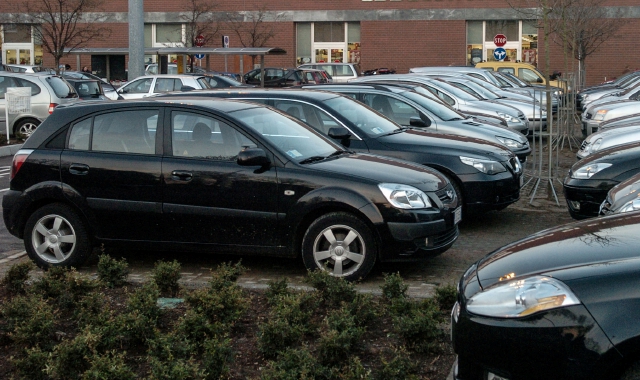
(132, 212)
(625, 160)
(596, 339)
(481, 192)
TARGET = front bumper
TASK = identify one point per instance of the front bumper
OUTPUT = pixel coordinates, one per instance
(485, 193)
(584, 196)
(563, 343)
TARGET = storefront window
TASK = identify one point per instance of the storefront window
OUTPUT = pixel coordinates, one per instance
(507, 27)
(474, 42)
(14, 33)
(353, 42)
(303, 43)
(328, 32)
(530, 42)
(169, 34)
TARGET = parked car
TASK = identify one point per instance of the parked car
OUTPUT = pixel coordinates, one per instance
(380, 71)
(209, 175)
(609, 138)
(559, 304)
(623, 197)
(88, 89)
(152, 69)
(485, 175)
(275, 77)
(597, 115)
(410, 109)
(584, 95)
(29, 69)
(340, 72)
(47, 92)
(314, 76)
(149, 85)
(590, 179)
(221, 81)
(589, 97)
(525, 71)
(109, 90)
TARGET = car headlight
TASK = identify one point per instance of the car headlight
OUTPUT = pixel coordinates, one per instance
(633, 205)
(507, 117)
(404, 196)
(589, 170)
(519, 298)
(599, 116)
(486, 166)
(510, 143)
(595, 146)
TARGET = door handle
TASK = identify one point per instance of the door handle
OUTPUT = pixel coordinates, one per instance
(79, 169)
(181, 175)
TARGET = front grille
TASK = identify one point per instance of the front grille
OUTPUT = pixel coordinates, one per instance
(605, 208)
(584, 145)
(447, 195)
(514, 165)
(588, 115)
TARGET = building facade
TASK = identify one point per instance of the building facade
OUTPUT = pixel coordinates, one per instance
(396, 34)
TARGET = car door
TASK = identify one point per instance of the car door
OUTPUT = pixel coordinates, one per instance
(111, 167)
(209, 198)
(136, 89)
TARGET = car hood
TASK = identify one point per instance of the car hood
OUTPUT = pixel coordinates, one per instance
(612, 155)
(382, 169)
(571, 246)
(624, 192)
(480, 130)
(418, 141)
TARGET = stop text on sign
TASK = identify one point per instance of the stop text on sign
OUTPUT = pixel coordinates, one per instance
(500, 40)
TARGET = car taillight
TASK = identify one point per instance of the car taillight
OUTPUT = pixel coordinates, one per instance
(52, 106)
(18, 160)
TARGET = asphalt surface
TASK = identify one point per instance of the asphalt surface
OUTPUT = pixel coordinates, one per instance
(479, 236)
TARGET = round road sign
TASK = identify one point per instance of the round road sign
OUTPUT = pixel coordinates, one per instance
(199, 56)
(199, 40)
(500, 40)
(499, 54)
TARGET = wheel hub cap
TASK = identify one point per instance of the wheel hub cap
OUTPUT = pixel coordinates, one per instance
(339, 251)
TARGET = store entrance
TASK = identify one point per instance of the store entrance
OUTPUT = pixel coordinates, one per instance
(15, 54)
(324, 53)
(512, 49)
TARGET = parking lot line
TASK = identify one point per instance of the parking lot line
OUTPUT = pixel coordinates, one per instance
(12, 257)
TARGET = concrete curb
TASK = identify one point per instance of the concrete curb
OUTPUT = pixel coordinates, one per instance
(9, 150)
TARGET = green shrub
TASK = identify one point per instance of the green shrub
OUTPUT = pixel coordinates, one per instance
(363, 308)
(32, 364)
(109, 366)
(111, 272)
(339, 338)
(394, 287)
(294, 364)
(174, 369)
(30, 320)
(446, 296)
(166, 275)
(196, 327)
(276, 335)
(226, 275)
(91, 310)
(225, 304)
(74, 286)
(52, 284)
(216, 357)
(419, 326)
(334, 290)
(353, 370)
(144, 300)
(129, 330)
(296, 309)
(17, 276)
(69, 359)
(400, 367)
(170, 346)
(277, 288)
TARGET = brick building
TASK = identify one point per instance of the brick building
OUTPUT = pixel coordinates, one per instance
(398, 34)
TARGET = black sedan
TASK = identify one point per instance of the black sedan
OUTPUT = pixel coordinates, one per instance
(204, 175)
(485, 175)
(560, 304)
(590, 179)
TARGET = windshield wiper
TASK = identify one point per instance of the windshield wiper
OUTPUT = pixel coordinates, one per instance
(339, 152)
(312, 159)
(399, 130)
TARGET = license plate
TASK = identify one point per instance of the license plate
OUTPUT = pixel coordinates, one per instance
(457, 215)
(521, 180)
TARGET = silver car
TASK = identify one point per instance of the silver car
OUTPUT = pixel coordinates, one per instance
(594, 116)
(609, 138)
(47, 92)
(340, 72)
(149, 85)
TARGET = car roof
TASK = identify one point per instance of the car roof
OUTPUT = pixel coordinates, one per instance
(303, 94)
(384, 87)
(168, 76)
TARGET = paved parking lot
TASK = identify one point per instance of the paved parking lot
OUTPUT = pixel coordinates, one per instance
(478, 236)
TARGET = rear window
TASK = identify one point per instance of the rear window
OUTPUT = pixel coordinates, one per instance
(35, 89)
(88, 89)
(62, 88)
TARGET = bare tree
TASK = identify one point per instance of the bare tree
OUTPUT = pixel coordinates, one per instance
(199, 20)
(252, 28)
(62, 24)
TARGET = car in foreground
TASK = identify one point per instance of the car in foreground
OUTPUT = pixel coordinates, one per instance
(47, 92)
(207, 175)
(590, 179)
(484, 175)
(559, 304)
(623, 197)
(150, 85)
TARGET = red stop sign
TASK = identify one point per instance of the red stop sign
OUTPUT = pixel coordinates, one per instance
(500, 40)
(199, 40)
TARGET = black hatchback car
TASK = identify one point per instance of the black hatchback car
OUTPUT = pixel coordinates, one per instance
(276, 77)
(560, 304)
(485, 175)
(590, 179)
(208, 175)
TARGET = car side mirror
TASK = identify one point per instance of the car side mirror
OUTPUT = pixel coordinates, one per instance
(186, 88)
(253, 157)
(419, 122)
(339, 133)
(540, 80)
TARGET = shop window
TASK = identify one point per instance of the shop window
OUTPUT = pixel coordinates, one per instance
(15, 33)
(303, 43)
(328, 32)
(168, 33)
(353, 42)
(509, 28)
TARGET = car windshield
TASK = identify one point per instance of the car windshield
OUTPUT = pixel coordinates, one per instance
(459, 93)
(88, 89)
(437, 108)
(483, 91)
(62, 88)
(289, 136)
(370, 122)
(230, 81)
(516, 80)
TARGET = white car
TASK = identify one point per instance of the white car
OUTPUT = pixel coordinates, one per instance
(594, 116)
(149, 85)
(609, 138)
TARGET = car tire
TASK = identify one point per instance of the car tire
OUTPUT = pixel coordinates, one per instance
(632, 373)
(341, 244)
(56, 236)
(26, 127)
(458, 190)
